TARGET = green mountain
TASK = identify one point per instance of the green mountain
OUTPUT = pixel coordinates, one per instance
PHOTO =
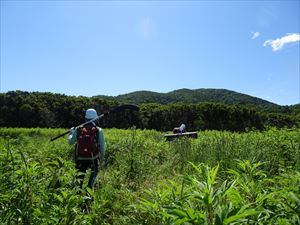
(193, 96)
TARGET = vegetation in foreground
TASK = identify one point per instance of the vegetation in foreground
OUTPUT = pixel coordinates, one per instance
(219, 178)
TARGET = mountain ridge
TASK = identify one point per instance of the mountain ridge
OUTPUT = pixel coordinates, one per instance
(185, 95)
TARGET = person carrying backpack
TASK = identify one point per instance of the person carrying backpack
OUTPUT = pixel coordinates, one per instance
(89, 147)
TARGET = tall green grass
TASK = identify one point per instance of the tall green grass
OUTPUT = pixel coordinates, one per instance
(219, 178)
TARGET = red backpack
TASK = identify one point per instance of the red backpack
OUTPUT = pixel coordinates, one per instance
(87, 142)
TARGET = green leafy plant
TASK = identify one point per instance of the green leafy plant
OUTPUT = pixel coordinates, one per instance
(219, 178)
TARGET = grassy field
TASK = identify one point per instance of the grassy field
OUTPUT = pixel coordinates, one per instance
(219, 178)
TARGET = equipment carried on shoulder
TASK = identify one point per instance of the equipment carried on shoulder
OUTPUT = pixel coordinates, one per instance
(117, 109)
(87, 142)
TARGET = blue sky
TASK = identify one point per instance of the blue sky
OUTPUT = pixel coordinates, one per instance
(114, 47)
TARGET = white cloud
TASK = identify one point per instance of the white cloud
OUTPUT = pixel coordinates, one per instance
(255, 34)
(280, 42)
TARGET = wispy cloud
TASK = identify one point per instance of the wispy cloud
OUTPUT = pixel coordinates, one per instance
(278, 43)
(146, 27)
(255, 34)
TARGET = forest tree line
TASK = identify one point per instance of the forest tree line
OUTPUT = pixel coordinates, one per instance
(44, 109)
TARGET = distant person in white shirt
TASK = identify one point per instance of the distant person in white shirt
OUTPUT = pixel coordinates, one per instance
(181, 129)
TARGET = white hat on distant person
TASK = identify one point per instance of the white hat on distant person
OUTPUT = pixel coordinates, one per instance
(90, 114)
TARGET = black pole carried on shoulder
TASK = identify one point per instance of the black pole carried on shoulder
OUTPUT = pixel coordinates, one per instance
(114, 110)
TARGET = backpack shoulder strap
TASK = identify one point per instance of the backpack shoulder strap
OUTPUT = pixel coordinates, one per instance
(79, 129)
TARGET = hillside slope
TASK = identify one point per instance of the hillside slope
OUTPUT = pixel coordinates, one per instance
(193, 96)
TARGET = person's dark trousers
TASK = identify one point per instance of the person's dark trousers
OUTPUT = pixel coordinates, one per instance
(82, 166)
